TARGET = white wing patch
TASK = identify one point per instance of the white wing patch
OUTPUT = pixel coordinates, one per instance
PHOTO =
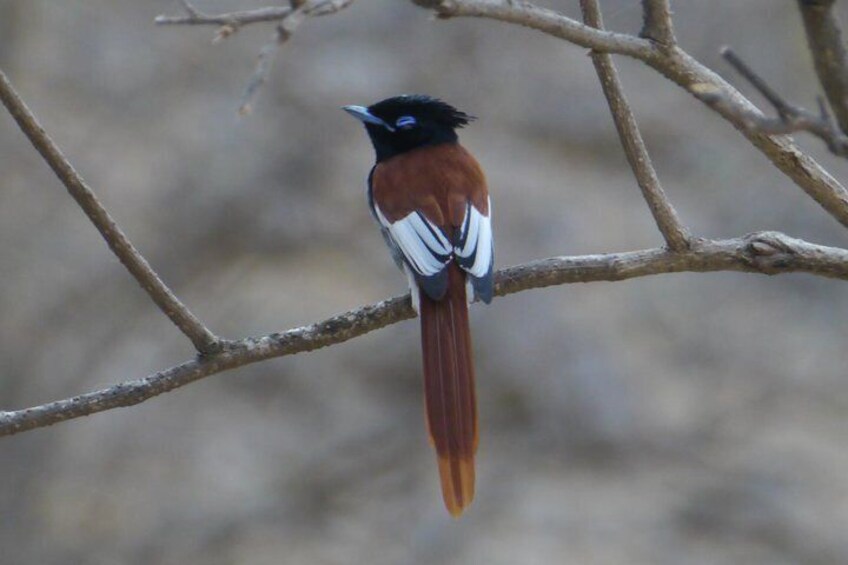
(475, 242)
(423, 244)
(426, 252)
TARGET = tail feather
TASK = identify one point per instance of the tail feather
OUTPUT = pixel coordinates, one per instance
(451, 406)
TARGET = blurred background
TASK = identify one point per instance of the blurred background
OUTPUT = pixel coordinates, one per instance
(689, 418)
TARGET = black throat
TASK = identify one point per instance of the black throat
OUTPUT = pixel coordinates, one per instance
(387, 145)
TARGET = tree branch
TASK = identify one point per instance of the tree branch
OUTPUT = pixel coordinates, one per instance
(768, 253)
(679, 67)
(790, 118)
(195, 17)
(657, 25)
(544, 20)
(824, 36)
(282, 33)
(290, 18)
(676, 235)
(203, 339)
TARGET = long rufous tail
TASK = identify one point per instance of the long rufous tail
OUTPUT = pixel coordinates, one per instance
(451, 406)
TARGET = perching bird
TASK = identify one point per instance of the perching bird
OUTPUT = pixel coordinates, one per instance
(430, 198)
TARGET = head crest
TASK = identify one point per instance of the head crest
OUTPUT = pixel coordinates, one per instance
(422, 107)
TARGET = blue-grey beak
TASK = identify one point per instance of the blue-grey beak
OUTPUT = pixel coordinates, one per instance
(362, 114)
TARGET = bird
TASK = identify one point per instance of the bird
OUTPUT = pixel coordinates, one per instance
(429, 196)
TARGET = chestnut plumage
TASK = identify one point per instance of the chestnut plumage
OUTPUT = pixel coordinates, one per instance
(429, 196)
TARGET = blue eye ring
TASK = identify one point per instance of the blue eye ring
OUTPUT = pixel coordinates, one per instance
(405, 122)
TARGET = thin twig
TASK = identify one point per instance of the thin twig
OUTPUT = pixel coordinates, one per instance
(771, 95)
(328, 7)
(190, 9)
(203, 339)
(789, 119)
(656, 22)
(240, 18)
(193, 16)
(263, 64)
(768, 253)
(282, 33)
(824, 35)
(289, 17)
(679, 67)
(675, 233)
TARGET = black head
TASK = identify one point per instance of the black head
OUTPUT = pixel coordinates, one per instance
(402, 123)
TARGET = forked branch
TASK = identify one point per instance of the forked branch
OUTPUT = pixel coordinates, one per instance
(656, 22)
(289, 17)
(766, 252)
(679, 67)
(790, 118)
(193, 16)
(658, 50)
(675, 233)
